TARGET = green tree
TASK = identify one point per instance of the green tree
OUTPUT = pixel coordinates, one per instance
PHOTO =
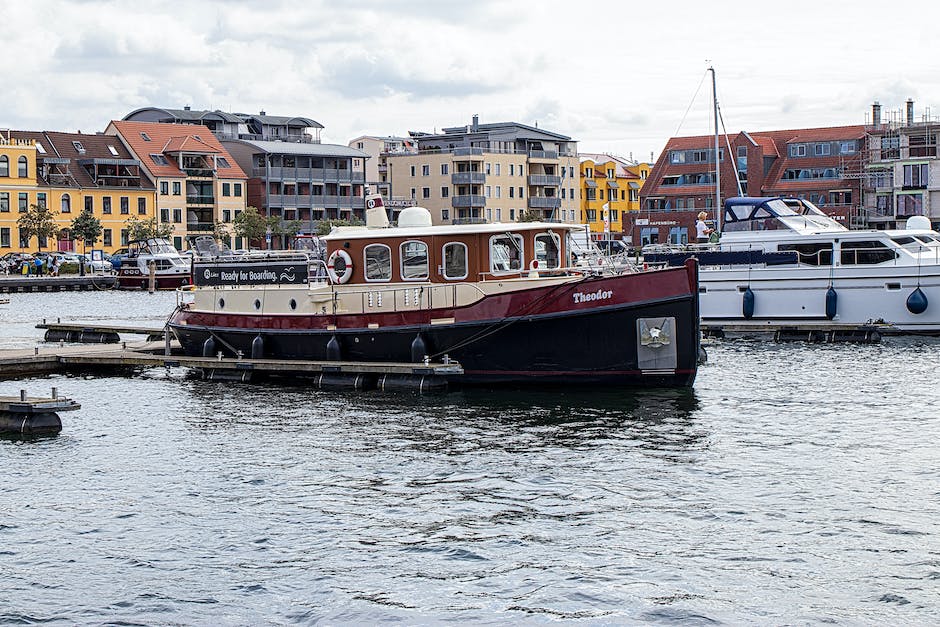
(38, 222)
(87, 228)
(325, 226)
(250, 224)
(530, 216)
(220, 231)
(144, 229)
(288, 228)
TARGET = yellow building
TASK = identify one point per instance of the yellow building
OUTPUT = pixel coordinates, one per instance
(610, 188)
(70, 172)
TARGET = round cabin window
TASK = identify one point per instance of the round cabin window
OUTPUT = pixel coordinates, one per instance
(257, 304)
(293, 304)
(221, 303)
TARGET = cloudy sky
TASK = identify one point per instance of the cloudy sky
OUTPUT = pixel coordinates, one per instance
(619, 77)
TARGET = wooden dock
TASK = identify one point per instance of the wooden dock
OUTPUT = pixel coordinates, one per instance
(25, 415)
(18, 283)
(797, 332)
(95, 333)
(323, 374)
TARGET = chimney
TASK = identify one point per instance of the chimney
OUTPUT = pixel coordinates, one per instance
(186, 108)
(476, 123)
(910, 112)
(876, 114)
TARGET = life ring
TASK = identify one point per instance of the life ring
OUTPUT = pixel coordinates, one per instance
(347, 266)
(534, 269)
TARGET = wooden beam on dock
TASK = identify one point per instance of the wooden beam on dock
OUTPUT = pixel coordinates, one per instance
(815, 332)
(13, 283)
(96, 333)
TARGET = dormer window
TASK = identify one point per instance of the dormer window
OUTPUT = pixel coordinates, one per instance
(78, 147)
(145, 137)
(223, 162)
(159, 159)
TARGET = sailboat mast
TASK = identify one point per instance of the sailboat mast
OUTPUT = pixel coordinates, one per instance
(717, 161)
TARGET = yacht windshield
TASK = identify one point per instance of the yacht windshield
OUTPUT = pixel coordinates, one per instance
(760, 214)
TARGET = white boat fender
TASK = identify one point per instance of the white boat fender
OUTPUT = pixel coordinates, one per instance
(343, 273)
(832, 301)
(917, 302)
(747, 304)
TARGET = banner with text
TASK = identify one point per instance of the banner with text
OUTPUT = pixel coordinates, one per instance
(267, 273)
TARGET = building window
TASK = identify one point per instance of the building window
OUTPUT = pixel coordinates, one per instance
(455, 261)
(445, 214)
(41, 199)
(223, 162)
(4, 202)
(797, 150)
(145, 137)
(178, 216)
(678, 235)
(512, 169)
(226, 215)
(177, 188)
(164, 188)
(226, 189)
(238, 189)
(445, 192)
(24, 241)
(412, 170)
(378, 262)
(107, 237)
(822, 150)
(23, 200)
(414, 193)
(159, 159)
(512, 192)
(848, 148)
(512, 215)
(5, 237)
(520, 193)
(497, 168)
(124, 237)
(425, 192)
(125, 206)
(910, 205)
(23, 167)
(142, 206)
(106, 205)
(425, 170)
(488, 169)
(499, 191)
(562, 193)
(488, 191)
(4, 166)
(164, 215)
(915, 176)
(445, 169)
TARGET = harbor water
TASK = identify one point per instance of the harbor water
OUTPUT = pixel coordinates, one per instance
(795, 483)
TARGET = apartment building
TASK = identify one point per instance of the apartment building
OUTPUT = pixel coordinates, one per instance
(301, 183)
(378, 150)
(818, 164)
(489, 172)
(70, 173)
(610, 190)
(901, 173)
(199, 186)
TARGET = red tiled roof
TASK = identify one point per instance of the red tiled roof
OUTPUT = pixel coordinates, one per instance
(147, 138)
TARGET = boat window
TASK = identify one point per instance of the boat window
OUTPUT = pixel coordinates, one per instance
(378, 262)
(901, 241)
(506, 253)
(866, 252)
(546, 251)
(414, 260)
(811, 253)
(927, 239)
(455, 261)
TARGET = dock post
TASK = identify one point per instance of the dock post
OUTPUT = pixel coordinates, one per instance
(152, 282)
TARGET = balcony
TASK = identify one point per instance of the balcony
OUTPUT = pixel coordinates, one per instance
(313, 201)
(469, 221)
(542, 202)
(200, 227)
(551, 155)
(332, 175)
(200, 200)
(467, 178)
(204, 173)
(544, 179)
(468, 152)
(468, 201)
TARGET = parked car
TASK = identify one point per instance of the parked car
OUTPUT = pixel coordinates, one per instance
(97, 266)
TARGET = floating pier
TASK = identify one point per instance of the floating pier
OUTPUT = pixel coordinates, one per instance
(420, 377)
(13, 283)
(31, 415)
(813, 333)
(93, 333)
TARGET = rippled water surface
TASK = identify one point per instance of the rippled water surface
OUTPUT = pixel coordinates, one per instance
(794, 484)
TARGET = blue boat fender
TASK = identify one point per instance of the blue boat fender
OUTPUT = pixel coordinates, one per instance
(917, 302)
(747, 304)
(832, 302)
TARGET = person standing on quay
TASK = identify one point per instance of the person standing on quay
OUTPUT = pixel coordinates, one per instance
(38, 266)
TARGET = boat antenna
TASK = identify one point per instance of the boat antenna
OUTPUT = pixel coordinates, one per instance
(711, 68)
